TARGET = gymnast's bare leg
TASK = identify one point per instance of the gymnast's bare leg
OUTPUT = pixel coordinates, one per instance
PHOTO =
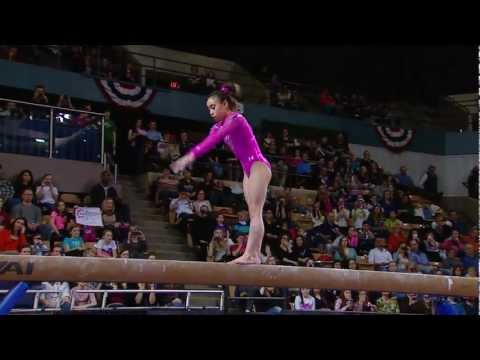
(255, 190)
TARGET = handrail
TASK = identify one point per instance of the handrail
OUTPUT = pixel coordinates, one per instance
(52, 107)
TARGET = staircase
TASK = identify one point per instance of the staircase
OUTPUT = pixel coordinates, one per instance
(163, 240)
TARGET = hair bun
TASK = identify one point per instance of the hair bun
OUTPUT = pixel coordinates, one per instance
(227, 89)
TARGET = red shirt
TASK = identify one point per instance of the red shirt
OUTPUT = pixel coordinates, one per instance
(7, 243)
(394, 241)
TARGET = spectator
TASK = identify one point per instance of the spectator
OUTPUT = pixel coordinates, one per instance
(219, 247)
(403, 179)
(304, 301)
(242, 227)
(136, 243)
(379, 256)
(201, 202)
(56, 251)
(472, 183)
(324, 234)
(377, 219)
(61, 298)
(203, 226)
(115, 218)
(321, 300)
(59, 219)
(432, 248)
(146, 299)
(366, 240)
(136, 139)
(153, 134)
(469, 257)
(363, 304)
(392, 222)
(342, 215)
(344, 302)
(103, 190)
(65, 102)
(327, 102)
(47, 193)
(106, 246)
(187, 184)
(302, 253)
(83, 301)
(12, 239)
(181, 210)
(29, 211)
(273, 306)
(84, 118)
(412, 305)
(419, 258)
(119, 299)
(471, 237)
(285, 252)
(221, 195)
(39, 248)
(450, 261)
(271, 237)
(74, 245)
(360, 214)
(387, 304)
(185, 144)
(352, 237)
(4, 216)
(388, 203)
(458, 271)
(7, 191)
(282, 210)
(211, 81)
(442, 228)
(457, 223)
(23, 181)
(344, 252)
(429, 181)
(472, 271)
(110, 133)
(284, 96)
(395, 239)
(39, 96)
(453, 242)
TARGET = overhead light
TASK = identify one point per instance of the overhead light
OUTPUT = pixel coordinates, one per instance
(41, 141)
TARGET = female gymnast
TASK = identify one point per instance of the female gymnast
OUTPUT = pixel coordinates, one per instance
(233, 128)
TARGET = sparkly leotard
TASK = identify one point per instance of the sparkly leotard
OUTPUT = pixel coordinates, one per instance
(237, 133)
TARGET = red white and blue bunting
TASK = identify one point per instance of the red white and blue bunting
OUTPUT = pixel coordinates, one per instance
(395, 140)
(125, 95)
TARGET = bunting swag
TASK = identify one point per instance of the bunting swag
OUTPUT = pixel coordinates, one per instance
(395, 140)
(124, 95)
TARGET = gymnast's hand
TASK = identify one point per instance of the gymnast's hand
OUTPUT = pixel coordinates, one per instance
(181, 163)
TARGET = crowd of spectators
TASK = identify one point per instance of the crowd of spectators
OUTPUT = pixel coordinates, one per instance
(360, 217)
(36, 218)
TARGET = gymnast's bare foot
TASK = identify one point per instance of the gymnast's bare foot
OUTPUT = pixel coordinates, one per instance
(247, 260)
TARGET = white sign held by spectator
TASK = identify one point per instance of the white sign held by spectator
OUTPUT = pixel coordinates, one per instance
(91, 216)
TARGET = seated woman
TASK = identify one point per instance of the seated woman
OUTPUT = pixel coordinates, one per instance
(432, 248)
(363, 304)
(343, 252)
(322, 301)
(285, 252)
(344, 301)
(74, 245)
(106, 246)
(12, 238)
(304, 301)
(201, 201)
(401, 257)
(47, 193)
(112, 216)
(82, 300)
(302, 253)
(237, 249)
(219, 247)
(59, 219)
(387, 304)
(136, 244)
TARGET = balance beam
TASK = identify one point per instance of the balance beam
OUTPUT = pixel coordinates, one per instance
(73, 269)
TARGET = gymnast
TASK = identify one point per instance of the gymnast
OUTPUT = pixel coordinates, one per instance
(233, 128)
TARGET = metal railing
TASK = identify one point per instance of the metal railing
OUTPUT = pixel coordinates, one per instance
(18, 134)
(104, 307)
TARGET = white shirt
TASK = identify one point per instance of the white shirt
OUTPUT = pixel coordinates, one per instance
(359, 216)
(102, 245)
(308, 303)
(341, 221)
(48, 195)
(182, 206)
(379, 256)
(53, 300)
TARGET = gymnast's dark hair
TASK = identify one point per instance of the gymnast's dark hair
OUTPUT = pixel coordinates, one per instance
(226, 93)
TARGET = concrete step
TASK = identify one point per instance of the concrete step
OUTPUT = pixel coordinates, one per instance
(133, 203)
(166, 238)
(149, 217)
(163, 246)
(147, 210)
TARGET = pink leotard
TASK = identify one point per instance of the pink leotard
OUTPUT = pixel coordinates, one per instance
(237, 133)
